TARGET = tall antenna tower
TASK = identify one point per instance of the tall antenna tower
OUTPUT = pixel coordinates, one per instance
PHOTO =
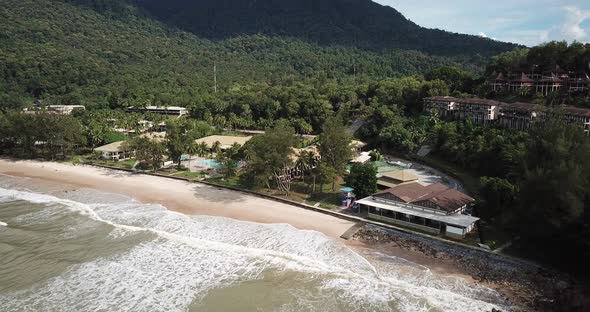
(215, 77)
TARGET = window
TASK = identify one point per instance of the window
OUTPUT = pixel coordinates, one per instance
(389, 214)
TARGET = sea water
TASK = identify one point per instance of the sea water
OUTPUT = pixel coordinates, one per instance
(85, 250)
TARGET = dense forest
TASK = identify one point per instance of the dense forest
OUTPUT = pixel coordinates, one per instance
(574, 57)
(69, 53)
(357, 23)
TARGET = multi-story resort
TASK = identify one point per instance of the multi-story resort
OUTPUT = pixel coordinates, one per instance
(518, 116)
(478, 110)
(434, 209)
(162, 110)
(54, 109)
(549, 82)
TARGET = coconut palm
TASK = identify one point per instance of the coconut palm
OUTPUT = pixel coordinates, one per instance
(216, 147)
(203, 149)
(192, 149)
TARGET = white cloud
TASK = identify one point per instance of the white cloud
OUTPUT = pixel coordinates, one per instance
(571, 28)
(482, 34)
(527, 37)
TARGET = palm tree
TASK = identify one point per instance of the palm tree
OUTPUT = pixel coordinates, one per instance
(230, 168)
(203, 149)
(192, 149)
(216, 147)
(304, 162)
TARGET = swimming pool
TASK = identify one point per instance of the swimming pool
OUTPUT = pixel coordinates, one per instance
(209, 163)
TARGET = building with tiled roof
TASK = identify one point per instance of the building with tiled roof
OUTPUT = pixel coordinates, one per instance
(435, 208)
(518, 116)
(480, 111)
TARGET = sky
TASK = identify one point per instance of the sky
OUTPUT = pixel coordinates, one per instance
(528, 22)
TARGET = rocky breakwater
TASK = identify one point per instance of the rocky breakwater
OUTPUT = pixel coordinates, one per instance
(526, 285)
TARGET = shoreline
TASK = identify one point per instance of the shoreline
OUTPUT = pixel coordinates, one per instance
(179, 196)
(199, 199)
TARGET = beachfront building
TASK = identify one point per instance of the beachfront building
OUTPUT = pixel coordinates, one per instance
(114, 151)
(394, 178)
(225, 141)
(435, 209)
(481, 111)
(162, 110)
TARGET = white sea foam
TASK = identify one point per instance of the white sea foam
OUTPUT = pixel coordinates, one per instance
(193, 255)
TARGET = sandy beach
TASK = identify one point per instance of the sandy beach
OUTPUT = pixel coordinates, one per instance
(179, 196)
(512, 280)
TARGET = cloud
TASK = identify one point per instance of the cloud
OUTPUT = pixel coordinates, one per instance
(528, 37)
(571, 29)
(482, 34)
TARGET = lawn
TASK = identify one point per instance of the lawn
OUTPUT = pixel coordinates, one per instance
(189, 175)
(300, 192)
(125, 164)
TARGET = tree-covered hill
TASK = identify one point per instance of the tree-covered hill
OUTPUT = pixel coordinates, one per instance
(105, 52)
(359, 23)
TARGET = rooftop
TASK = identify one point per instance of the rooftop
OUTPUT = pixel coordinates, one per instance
(164, 108)
(401, 175)
(446, 198)
(362, 158)
(465, 101)
(111, 148)
(225, 141)
(523, 78)
(522, 106)
(156, 136)
(577, 111)
(458, 219)
(357, 144)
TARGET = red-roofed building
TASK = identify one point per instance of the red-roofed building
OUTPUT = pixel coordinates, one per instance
(518, 83)
(435, 209)
(549, 84)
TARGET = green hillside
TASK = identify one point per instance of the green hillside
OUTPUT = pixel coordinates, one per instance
(109, 53)
(358, 23)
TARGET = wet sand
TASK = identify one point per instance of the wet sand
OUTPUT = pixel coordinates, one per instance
(179, 196)
(200, 199)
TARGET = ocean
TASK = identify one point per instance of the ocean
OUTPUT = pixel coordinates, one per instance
(84, 250)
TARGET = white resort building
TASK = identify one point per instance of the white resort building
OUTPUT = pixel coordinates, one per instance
(435, 209)
(162, 110)
(114, 151)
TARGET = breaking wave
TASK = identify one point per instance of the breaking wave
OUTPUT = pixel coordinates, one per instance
(92, 254)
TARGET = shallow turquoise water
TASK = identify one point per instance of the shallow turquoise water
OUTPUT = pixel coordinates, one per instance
(210, 163)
